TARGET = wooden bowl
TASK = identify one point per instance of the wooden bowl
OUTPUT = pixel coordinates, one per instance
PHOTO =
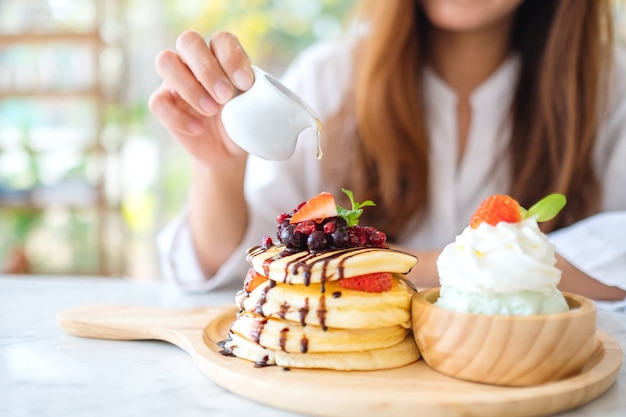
(504, 350)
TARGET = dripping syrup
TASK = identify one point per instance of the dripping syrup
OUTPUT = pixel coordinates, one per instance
(318, 152)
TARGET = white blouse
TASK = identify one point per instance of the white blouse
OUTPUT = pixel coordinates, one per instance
(320, 76)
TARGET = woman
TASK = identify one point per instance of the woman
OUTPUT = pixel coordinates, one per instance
(437, 105)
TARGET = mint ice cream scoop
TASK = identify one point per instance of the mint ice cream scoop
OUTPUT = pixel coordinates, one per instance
(502, 269)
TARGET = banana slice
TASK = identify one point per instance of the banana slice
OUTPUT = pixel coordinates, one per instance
(306, 268)
(394, 356)
(290, 337)
(335, 307)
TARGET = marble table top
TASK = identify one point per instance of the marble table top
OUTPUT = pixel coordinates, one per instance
(45, 372)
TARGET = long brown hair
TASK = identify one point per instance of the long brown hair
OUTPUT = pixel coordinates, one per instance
(378, 144)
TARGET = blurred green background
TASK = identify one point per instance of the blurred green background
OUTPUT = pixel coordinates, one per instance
(87, 177)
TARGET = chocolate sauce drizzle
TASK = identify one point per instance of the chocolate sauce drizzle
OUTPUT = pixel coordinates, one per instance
(304, 311)
(303, 262)
(296, 263)
(225, 351)
(321, 312)
(263, 298)
(282, 341)
(257, 329)
(284, 308)
(262, 363)
(304, 344)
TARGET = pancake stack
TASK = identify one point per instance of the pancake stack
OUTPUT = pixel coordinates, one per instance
(342, 308)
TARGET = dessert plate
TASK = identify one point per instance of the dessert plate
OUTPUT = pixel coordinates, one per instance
(394, 392)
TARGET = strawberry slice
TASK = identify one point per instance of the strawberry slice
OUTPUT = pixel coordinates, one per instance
(319, 207)
(253, 280)
(495, 209)
(376, 282)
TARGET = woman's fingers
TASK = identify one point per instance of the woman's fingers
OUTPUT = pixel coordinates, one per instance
(174, 113)
(201, 61)
(221, 66)
(232, 59)
(200, 136)
(206, 75)
(179, 78)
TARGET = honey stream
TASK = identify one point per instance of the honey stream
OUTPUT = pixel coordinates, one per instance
(319, 152)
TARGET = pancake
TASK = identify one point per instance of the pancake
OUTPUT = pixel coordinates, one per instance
(331, 295)
(289, 337)
(336, 307)
(306, 268)
(394, 356)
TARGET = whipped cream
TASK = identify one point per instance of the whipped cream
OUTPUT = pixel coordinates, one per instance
(504, 269)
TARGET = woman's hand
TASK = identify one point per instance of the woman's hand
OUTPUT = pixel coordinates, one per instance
(198, 79)
(575, 281)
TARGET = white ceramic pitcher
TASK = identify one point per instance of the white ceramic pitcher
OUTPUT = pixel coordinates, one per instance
(267, 119)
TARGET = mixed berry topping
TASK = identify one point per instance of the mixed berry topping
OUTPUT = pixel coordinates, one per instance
(319, 225)
(331, 233)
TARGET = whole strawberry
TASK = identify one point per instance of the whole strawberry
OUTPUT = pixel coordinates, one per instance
(503, 208)
(495, 209)
(376, 282)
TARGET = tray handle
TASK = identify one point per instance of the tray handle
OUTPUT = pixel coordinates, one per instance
(134, 323)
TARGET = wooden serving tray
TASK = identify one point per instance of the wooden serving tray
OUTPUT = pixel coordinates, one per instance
(410, 390)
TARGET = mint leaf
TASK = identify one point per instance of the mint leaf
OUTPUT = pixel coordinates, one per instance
(351, 216)
(547, 208)
(523, 212)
